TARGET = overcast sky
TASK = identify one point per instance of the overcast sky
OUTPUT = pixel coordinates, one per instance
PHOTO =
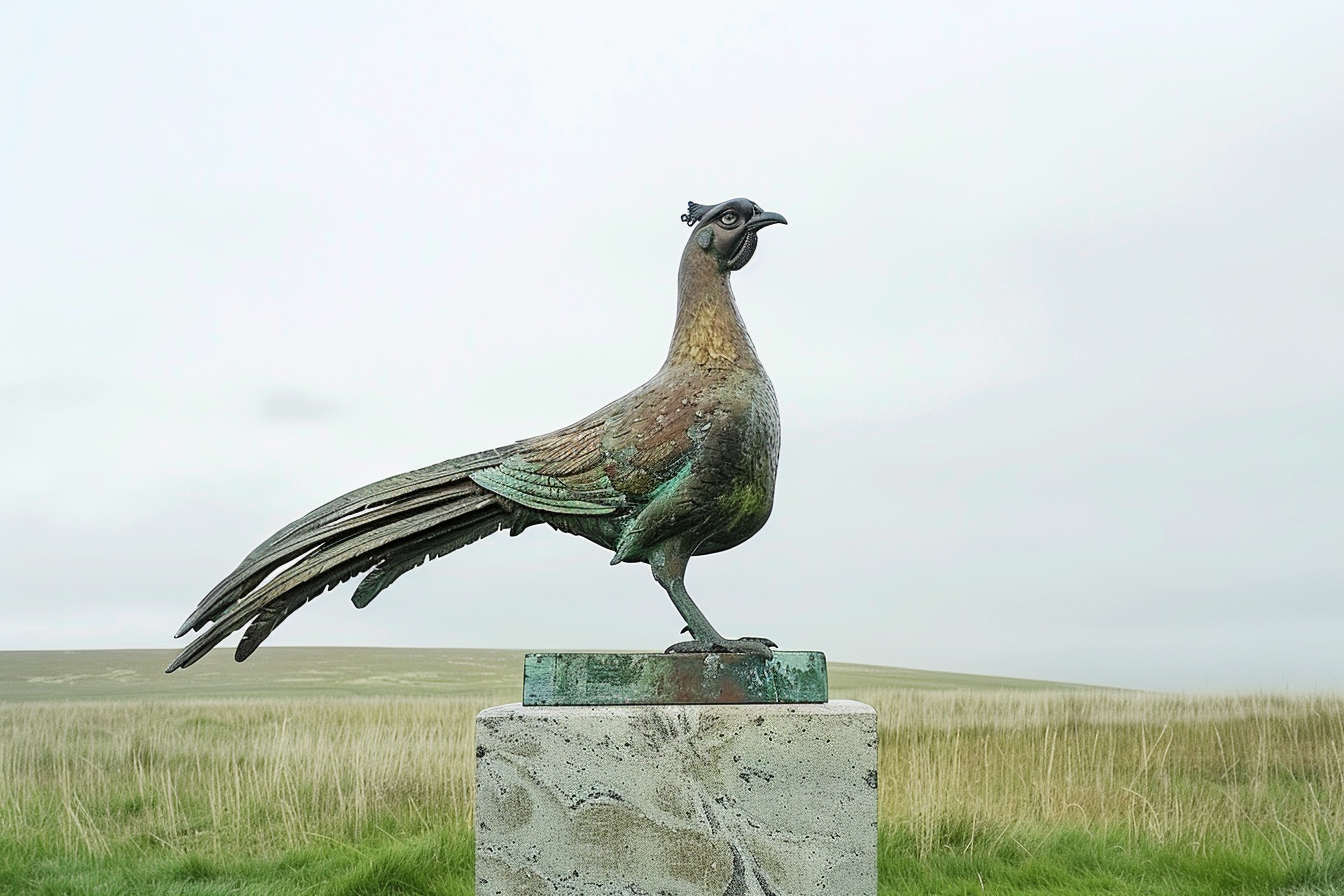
(1055, 324)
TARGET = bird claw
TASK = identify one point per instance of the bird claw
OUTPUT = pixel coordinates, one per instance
(752, 646)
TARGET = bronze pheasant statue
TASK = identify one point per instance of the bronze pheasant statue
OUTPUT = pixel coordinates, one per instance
(683, 465)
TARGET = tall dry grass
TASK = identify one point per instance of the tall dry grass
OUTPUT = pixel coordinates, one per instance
(1237, 772)
(218, 777)
(263, 776)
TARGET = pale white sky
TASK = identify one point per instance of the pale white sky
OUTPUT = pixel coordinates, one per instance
(1055, 325)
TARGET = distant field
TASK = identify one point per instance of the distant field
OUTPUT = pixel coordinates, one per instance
(301, 672)
(350, 671)
(349, 773)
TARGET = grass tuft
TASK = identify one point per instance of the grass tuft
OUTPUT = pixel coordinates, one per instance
(195, 868)
(441, 864)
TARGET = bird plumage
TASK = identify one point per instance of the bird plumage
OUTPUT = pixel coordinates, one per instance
(683, 465)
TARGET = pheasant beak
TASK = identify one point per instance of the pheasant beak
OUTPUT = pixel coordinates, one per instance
(764, 219)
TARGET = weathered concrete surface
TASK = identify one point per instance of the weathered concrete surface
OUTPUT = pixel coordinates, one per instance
(702, 800)
(601, 679)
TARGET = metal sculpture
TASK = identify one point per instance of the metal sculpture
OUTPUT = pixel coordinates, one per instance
(683, 465)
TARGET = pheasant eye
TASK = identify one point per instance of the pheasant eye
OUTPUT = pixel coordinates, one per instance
(728, 219)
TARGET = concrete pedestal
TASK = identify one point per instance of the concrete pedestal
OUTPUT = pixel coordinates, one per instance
(677, 800)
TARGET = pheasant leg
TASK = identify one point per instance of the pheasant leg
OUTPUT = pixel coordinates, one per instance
(669, 570)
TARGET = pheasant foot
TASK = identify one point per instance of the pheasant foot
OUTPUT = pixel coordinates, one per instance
(753, 646)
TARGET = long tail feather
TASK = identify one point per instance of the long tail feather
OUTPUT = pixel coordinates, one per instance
(381, 577)
(427, 512)
(354, 508)
(260, 564)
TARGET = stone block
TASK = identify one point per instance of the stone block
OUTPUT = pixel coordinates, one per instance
(693, 800)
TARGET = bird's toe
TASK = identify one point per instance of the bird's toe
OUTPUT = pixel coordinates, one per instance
(751, 646)
(693, 647)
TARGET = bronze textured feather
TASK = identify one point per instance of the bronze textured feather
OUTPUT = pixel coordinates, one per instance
(683, 465)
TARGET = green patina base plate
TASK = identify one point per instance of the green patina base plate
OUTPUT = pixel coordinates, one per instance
(615, 679)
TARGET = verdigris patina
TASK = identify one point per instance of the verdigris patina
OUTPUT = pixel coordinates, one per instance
(607, 679)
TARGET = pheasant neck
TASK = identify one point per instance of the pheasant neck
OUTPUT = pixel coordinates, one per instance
(709, 332)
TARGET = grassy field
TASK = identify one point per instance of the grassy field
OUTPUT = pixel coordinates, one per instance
(332, 771)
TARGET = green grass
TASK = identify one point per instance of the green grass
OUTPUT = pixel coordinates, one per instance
(311, 770)
(1071, 861)
(439, 862)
